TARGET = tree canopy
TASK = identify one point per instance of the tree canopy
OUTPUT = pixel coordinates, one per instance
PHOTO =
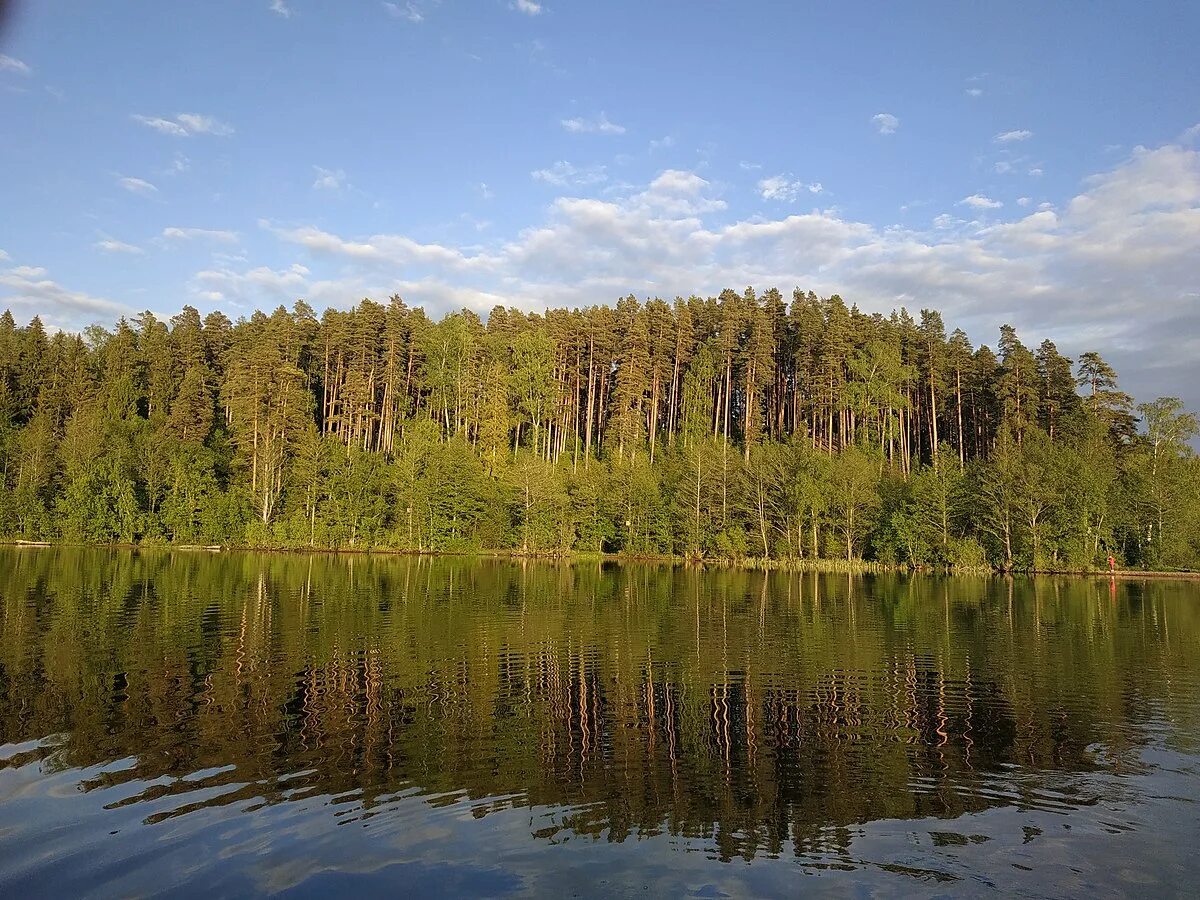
(734, 426)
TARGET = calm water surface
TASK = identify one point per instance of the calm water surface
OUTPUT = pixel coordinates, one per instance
(240, 724)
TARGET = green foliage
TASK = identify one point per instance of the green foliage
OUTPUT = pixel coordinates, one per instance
(736, 427)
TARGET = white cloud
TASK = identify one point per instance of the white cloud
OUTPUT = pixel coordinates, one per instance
(174, 233)
(28, 286)
(485, 192)
(407, 11)
(12, 64)
(1189, 135)
(749, 166)
(164, 126)
(598, 125)
(563, 174)
(1129, 230)
(1035, 172)
(1024, 201)
(185, 125)
(1114, 269)
(3, 256)
(1008, 137)
(198, 124)
(280, 8)
(528, 7)
(784, 188)
(329, 179)
(261, 284)
(111, 245)
(1002, 167)
(885, 122)
(137, 185)
(979, 201)
(661, 143)
(974, 92)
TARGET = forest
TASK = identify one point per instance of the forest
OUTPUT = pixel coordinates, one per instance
(743, 427)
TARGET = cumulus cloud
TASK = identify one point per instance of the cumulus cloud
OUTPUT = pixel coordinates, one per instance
(1008, 137)
(885, 122)
(979, 201)
(12, 64)
(598, 125)
(174, 233)
(137, 185)
(1113, 269)
(563, 174)
(184, 124)
(787, 189)
(528, 7)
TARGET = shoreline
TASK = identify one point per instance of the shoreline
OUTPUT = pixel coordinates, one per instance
(820, 566)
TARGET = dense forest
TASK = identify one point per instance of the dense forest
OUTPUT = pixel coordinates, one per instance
(737, 427)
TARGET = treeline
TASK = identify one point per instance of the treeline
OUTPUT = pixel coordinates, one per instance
(735, 426)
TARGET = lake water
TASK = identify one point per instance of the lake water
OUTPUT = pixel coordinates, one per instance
(239, 723)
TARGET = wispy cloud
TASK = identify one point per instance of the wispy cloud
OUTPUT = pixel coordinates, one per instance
(979, 201)
(112, 245)
(885, 122)
(175, 233)
(597, 125)
(1008, 137)
(280, 8)
(974, 92)
(137, 185)
(329, 179)
(563, 174)
(12, 64)
(527, 6)
(185, 124)
(786, 189)
(485, 192)
(406, 11)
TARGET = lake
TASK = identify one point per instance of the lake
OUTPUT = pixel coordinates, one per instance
(240, 723)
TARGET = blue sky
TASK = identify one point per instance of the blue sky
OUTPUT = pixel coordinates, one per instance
(1030, 163)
